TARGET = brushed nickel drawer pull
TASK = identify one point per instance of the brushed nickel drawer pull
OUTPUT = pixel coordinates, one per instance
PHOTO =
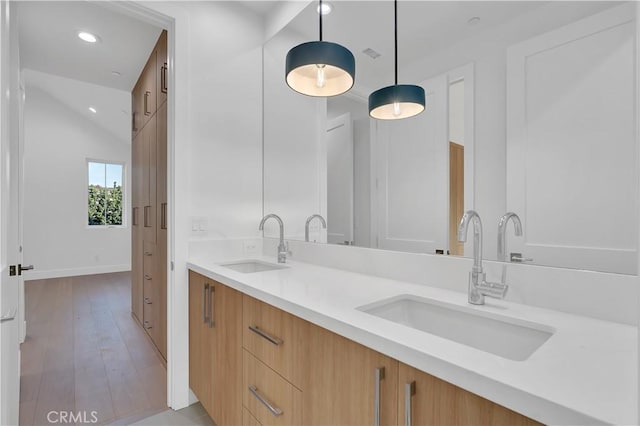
(273, 409)
(409, 391)
(147, 326)
(276, 341)
(148, 301)
(148, 253)
(147, 277)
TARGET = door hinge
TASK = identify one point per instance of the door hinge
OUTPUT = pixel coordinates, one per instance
(12, 270)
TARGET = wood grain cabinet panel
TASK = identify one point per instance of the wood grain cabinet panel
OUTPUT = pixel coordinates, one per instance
(248, 419)
(149, 212)
(215, 348)
(268, 396)
(274, 337)
(340, 385)
(162, 70)
(426, 400)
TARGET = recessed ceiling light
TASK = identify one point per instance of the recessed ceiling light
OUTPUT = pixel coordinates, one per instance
(88, 37)
(474, 20)
(326, 8)
(93, 110)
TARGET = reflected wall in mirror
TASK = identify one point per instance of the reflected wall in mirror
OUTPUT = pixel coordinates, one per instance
(530, 109)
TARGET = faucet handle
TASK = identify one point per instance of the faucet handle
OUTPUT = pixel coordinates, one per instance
(517, 257)
(495, 290)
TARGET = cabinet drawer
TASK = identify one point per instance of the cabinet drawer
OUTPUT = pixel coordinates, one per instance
(149, 258)
(267, 396)
(273, 336)
(248, 419)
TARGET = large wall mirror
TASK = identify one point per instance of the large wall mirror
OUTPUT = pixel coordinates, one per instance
(530, 109)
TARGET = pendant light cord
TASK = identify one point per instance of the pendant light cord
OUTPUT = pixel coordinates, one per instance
(320, 13)
(395, 35)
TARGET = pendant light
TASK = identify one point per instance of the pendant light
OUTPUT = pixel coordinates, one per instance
(320, 68)
(400, 100)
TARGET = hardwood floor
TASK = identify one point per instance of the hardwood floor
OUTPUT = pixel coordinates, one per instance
(84, 352)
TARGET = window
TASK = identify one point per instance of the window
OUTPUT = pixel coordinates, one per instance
(105, 194)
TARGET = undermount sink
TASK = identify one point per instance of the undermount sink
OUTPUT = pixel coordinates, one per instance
(503, 336)
(250, 266)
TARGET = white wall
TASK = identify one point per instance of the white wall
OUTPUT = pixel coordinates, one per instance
(57, 240)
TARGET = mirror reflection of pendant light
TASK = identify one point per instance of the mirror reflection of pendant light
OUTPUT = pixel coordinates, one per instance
(400, 100)
(320, 68)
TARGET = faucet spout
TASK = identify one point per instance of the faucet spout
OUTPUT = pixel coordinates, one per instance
(282, 248)
(471, 216)
(502, 233)
(309, 219)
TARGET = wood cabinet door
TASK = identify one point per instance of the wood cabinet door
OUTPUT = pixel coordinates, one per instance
(161, 223)
(162, 71)
(226, 396)
(200, 341)
(149, 180)
(426, 400)
(345, 383)
(149, 95)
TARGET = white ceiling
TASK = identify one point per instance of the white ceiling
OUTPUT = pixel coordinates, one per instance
(113, 106)
(49, 42)
(431, 29)
(79, 74)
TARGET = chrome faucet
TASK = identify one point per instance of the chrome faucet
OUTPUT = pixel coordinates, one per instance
(309, 219)
(479, 287)
(282, 248)
(502, 233)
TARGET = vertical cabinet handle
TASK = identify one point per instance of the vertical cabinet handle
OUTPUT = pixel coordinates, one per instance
(379, 376)
(134, 215)
(205, 299)
(147, 221)
(163, 78)
(212, 294)
(133, 121)
(146, 103)
(163, 216)
(409, 391)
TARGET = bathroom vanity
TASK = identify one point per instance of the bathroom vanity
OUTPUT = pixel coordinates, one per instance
(305, 344)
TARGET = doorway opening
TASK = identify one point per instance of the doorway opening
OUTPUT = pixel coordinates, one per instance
(83, 352)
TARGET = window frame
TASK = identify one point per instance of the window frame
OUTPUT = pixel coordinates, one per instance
(124, 194)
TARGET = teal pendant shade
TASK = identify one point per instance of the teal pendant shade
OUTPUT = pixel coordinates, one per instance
(396, 102)
(400, 100)
(320, 68)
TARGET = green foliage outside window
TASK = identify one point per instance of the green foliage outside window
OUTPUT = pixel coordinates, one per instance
(105, 205)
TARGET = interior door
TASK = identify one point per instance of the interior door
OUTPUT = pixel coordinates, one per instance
(339, 181)
(411, 169)
(10, 253)
(571, 148)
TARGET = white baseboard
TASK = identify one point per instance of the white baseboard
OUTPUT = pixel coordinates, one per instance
(74, 272)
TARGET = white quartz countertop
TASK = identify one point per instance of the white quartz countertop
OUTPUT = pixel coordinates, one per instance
(586, 373)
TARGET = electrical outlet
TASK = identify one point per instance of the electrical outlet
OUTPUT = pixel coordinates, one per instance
(250, 248)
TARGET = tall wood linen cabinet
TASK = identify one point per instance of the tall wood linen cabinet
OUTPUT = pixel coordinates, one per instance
(149, 197)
